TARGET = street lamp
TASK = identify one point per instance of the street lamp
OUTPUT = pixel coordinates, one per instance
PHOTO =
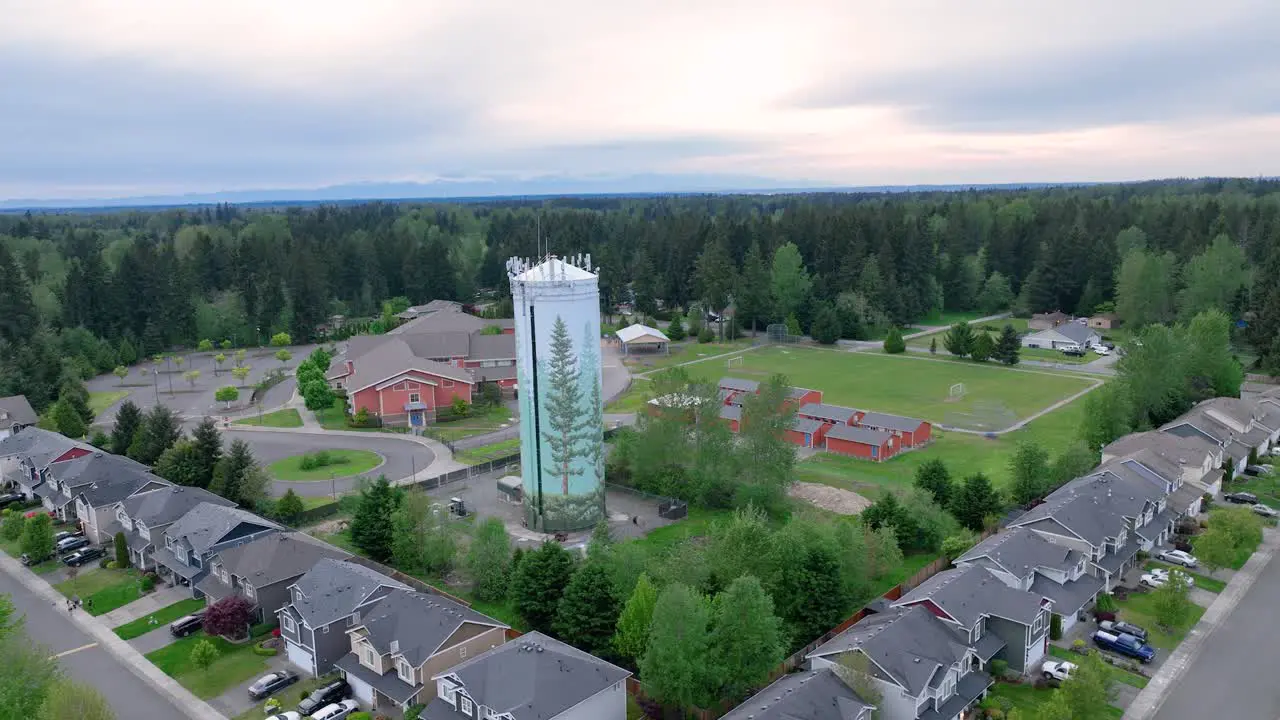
(333, 486)
(155, 378)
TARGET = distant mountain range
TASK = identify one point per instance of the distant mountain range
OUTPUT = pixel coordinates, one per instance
(488, 188)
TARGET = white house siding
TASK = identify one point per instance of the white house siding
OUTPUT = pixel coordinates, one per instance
(1068, 621)
(608, 704)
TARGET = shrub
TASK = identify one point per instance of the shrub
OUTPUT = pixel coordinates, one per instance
(999, 667)
(1105, 603)
(705, 335)
(1055, 627)
(113, 565)
(263, 650)
(103, 563)
(414, 711)
(1078, 645)
(148, 583)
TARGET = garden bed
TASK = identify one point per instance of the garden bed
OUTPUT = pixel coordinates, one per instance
(324, 465)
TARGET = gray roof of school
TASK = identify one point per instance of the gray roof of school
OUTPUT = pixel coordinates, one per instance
(333, 589)
(806, 695)
(731, 412)
(157, 508)
(909, 644)
(1070, 596)
(967, 594)
(806, 425)
(859, 435)
(15, 410)
(1020, 551)
(420, 623)
(394, 357)
(739, 384)
(835, 413)
(447, 321)
(275, 557)
(890, 422)
(206, 524)
(532, 676)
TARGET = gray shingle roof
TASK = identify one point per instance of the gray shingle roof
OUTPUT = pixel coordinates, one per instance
(389, 684)
(101, 494)
(420, 623)
(1111, 562)
(891, 422)
(1094, 506)
(158, 508)
(206, 524)
(394, 357)
(95, 467)
(49, 445)
(1184, 497)
(739, 384)
(731, 412)
(20, 444)
(275, 557)
(1173, 448)
(968, 593)
(1020, 551)
(15, 410)
(834, 413)
(806, 425)
(446, 321)
(333, 589)
(534, 676)
(1069, 597)
(859, 435)
(910, 645)
(807, 695)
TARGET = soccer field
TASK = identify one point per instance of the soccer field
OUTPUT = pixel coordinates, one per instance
(903, 385)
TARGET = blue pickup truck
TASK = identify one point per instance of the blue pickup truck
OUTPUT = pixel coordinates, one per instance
(1125, 645)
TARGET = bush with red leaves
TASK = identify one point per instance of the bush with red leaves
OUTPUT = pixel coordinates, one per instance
(229, 617)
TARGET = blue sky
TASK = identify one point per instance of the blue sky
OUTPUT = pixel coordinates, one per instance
(129, 98)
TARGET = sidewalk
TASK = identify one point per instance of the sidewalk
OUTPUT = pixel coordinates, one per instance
(181, 698)
(161, 597)
(1154, 694)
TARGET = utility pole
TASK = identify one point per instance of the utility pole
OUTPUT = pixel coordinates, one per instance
(155, 381)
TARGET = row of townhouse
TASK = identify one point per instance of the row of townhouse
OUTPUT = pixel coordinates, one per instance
(928, 652)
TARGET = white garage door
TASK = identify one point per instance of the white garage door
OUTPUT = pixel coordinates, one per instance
(363, 691)
(301, 657)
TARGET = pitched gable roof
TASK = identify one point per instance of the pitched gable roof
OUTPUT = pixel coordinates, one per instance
(333, 589)
(1173, 448)
(891, 422)
(808, 695)
(15, 410)
(1019, 551)
(636, 331)
(862, 435)
(418, 622)
(207, 524)
(739, 384)
(966, 594)
(160, 507)
(823, 411)
(393, 358)
(276, 557)
(49, 446)
(906, 646)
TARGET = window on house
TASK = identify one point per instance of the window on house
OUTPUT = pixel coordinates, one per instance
(325, 629)
(406, 672)
(464, 704)
(462, 651)
(286, 622)
(251, 594)
(415, 398)
(368, 657)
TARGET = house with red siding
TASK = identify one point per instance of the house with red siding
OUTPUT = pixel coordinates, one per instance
(491, 358)
(733, 391)
(861, 443)
(911, 432)
(803, 396)
(394, 384)
(806, 432)
(732, 414)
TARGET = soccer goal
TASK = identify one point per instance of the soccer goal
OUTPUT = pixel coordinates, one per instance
(957, 391)
(734, 362)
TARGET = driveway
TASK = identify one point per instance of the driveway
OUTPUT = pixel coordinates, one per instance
(236, 700)
(154, 640)
(401, 457)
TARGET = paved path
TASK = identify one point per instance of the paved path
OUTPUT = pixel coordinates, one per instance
(92, 654)
(1226, 667)
(162, 597)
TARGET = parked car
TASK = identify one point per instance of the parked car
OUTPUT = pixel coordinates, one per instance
(1178, 557)
(27, 560)
(336, 711)
(80, 557)
(1074, 352)
(1257, 470)
(187, 625)
(272, 683)
(1265, 510)
(1057, 670)
(65, 534)
(68, 544)
(1182, 543)
(1155, 579)
(325, 695)
(290, 715)
(1118, 627)
(1126, 645)
(9, 498)
(1241, 498)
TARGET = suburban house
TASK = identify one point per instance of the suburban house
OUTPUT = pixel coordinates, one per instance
(402, 640)
(1239, 427)
(643, 338)
(1198, 459)
(1066, 336)
(910, 432)
(38, 450)
(323, 604)
(1044, 321)
(262, 570)
(392, 383)
(203, 532)
(924, 669)
(808, 695)
(13, 455)
(1024, 560)
(145, 515)
(1104, 321)
(530, 678)
(999, 621)
(15, 414)
(861, 442)
(68, 478)
(95, 503)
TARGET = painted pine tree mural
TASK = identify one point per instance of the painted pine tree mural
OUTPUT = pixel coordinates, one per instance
(593, 429)
(563, 407)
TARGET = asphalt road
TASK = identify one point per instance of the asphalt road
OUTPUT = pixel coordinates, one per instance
(47, 625)
(1234, 674)
(401, 458)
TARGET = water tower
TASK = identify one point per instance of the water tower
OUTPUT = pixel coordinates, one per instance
(557, 307)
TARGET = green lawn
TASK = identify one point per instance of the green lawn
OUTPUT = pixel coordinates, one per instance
(103, 590)
(99, 401)
(309, 502)
(914, 386)
(1119, 674)
(633, 400)
(485, 453)
(1027, 699)
(287, 418)
(1204, 582)
(942, 318)
(683, 352)
(1139, 609)
(484, 421)
(964, 454)
(335, 418)
(235, 664)
(162, 617)
(13, 548)
(1019, 324)
(347, 463)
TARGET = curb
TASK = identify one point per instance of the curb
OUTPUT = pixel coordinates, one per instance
(181, 698)
(1152, 697)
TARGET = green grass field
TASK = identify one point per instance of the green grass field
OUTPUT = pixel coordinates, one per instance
(1019, 324)
(942, 318)
(632, 400)
(485, 453)
(1027, 699)
(235, 664)
(287, 418)
(963, 453)
(683, 352)
(102, 590)
(918, 387)
(348, 462)
(1204, 582)
(163, 616)
(483, 421)
(1139, 609)
(99, 401)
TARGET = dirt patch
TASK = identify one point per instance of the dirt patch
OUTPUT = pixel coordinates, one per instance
(843, 502)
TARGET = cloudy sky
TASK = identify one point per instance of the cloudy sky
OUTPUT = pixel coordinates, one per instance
(104, 99)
